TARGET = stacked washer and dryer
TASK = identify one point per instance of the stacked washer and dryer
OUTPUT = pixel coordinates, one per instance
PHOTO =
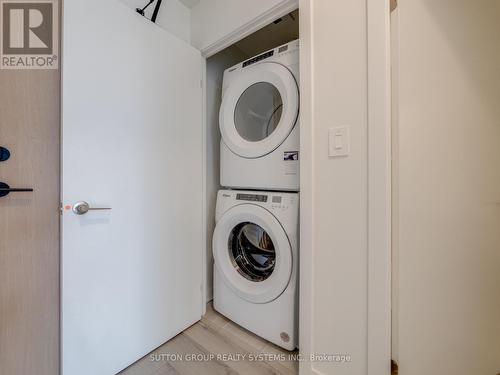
(255, 243)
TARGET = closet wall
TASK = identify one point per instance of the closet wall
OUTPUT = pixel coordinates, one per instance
(446, 187)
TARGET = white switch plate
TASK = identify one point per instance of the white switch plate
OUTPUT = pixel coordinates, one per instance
(339, 141)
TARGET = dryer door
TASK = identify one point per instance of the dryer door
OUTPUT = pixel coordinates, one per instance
(252, 253)
(259, 109)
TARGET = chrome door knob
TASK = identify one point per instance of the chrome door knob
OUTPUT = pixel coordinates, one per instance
(81, 208)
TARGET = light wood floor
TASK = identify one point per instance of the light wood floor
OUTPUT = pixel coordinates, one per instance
(215, 335)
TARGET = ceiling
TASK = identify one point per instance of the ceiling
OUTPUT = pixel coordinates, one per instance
(190, 3)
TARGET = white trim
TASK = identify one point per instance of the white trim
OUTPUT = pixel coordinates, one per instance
(204, 286)
(307, 220)
(248, 28)
(378, 344)
(379, 188)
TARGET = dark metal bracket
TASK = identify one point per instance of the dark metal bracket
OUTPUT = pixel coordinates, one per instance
(155, 11)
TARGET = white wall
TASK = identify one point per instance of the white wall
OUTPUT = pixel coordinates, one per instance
(215, 69)
(173, 16)
(447, 179)
(334, 190)
(212, 20)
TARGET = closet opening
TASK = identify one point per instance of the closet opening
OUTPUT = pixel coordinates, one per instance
(278, 33)
(252, 97)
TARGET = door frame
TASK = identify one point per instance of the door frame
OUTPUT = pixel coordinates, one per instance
(379, 171)
(379, 187)
(378, 215)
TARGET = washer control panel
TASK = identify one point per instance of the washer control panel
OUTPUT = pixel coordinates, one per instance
(284, 205)
(271, 200)
(275, 201)
(252, 197)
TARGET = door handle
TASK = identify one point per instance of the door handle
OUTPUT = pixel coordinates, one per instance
(4, 154)
(5, 189)
(81, 208)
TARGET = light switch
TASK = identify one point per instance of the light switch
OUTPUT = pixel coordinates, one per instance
(339, 141)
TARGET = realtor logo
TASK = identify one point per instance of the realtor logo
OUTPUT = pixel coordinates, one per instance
(29, 37)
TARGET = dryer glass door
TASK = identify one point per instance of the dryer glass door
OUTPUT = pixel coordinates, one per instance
(252, 253)
(258, 112)
(259, 109)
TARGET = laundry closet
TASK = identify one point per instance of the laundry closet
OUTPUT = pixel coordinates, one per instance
(252, 181)
(278, 33)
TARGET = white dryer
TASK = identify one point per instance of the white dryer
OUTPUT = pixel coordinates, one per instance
(258, 121)
(255, 248)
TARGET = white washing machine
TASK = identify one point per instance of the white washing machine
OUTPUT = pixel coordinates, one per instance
(255, 248)
(258, 121)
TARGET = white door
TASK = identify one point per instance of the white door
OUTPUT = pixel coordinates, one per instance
(132, 142)
(259, 109)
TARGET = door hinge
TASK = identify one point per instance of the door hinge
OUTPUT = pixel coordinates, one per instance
(394, 367)
(394, 5)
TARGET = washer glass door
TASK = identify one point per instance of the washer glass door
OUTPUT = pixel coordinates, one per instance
(259, 109)
(252, 253)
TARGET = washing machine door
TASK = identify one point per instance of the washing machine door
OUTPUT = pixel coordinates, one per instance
(252, 253)
(259, 109)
